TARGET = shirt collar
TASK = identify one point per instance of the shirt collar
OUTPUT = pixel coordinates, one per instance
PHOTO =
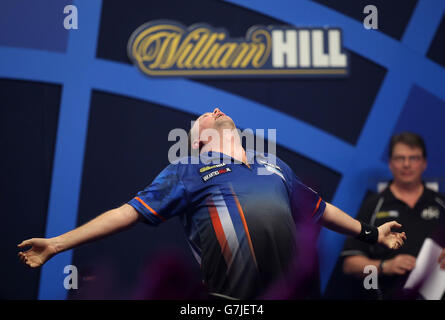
(427, 194)
(215, 156)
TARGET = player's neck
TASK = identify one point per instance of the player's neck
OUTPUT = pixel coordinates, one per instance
(229, 144)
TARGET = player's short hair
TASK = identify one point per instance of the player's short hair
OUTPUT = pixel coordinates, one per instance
(409, 138)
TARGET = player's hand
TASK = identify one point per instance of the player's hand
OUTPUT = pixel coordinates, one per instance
(442, 259)
(41, 251)
(390, 239)
(399, 265)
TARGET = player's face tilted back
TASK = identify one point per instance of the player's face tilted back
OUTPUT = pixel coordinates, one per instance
(216, 120)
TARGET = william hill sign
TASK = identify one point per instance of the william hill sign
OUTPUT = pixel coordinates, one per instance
(166, 48)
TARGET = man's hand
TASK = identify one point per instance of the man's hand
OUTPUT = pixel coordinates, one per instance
(392, 240)
(107, 223)
(399, 265)
(41, 251)
(442, 259)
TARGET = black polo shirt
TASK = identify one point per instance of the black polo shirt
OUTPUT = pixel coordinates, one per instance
(425, 220)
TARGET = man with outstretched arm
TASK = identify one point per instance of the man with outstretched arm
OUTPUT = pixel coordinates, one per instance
(239, 209)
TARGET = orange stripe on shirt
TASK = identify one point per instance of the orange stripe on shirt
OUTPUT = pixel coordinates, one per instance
(246, 229)
(318, 205)
(149, 208)
(217, 226)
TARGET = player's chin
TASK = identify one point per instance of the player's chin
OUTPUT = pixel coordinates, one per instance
(226, 122)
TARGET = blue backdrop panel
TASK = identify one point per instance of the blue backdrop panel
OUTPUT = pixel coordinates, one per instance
(33, 24)
(424, 113)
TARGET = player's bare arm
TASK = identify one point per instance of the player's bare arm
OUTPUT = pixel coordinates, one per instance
(108, 223)
(337, 220)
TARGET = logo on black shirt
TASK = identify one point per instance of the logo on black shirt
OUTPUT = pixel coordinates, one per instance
(430, 213)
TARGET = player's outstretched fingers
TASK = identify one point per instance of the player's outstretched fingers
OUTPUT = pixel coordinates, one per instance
(402, 236)
(399, 243)
(394, 224)
(25, 243)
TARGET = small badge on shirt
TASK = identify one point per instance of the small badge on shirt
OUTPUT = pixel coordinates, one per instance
(430, 213)
(269, 164)
(387, 214)
(273, 168)
(207, 168)
(215, 173)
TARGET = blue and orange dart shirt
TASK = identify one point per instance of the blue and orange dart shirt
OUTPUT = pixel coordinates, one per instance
(240, 220)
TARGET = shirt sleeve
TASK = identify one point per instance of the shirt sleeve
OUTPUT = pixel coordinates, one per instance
(305, 202)
(164, 198)
(354, 247)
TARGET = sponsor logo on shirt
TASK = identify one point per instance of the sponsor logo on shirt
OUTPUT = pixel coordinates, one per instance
(215, 173)
(269, 164)
(207, 168)
(430, 213)
(272, 168)
(387, 214)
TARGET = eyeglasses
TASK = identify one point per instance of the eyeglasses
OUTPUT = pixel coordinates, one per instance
(412, 159)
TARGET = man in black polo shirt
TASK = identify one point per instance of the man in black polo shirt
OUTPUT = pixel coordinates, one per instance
(418, 209)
